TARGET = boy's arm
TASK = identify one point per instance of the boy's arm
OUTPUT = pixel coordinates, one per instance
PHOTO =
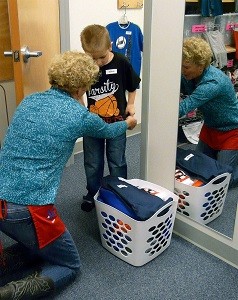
(130, 109)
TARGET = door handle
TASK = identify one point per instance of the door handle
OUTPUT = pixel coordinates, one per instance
(27, 54)
(15, 54)
(8, 53)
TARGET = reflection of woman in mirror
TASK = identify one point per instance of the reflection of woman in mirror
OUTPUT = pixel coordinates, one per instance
(210, 90)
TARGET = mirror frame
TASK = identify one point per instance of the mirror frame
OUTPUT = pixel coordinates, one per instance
(64, 25)
(161, 66)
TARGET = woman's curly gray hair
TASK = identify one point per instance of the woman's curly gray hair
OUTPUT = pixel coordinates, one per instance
(72, 70)
(197, 51)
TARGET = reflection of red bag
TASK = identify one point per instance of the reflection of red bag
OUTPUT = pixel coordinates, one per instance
(3, 209)
(48, 224)
(235, 35)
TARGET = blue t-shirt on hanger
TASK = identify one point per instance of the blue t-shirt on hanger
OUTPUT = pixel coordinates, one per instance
(127, 39)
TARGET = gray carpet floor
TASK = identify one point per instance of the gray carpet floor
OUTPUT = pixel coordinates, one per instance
(182, 272)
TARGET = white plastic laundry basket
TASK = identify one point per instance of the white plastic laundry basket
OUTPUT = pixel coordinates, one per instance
(204, 203)
(137, 242)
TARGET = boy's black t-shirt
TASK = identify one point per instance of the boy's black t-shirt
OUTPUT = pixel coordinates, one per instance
(107, 97)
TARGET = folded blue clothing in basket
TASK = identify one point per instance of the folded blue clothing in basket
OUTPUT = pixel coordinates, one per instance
(140, 204)
(113, 200)
(199, 165)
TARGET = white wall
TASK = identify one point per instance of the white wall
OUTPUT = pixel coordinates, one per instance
(83, 13)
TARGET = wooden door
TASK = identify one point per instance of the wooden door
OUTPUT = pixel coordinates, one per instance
(35, 24)
(6, 68)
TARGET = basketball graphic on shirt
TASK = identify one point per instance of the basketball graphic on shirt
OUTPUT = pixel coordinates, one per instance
(121, 42)
(106, 107)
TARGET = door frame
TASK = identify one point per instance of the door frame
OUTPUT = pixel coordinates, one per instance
(64, 25)
(15, 45)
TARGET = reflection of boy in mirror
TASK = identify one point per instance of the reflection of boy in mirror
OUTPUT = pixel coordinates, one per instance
(210, 90)
(112, 98)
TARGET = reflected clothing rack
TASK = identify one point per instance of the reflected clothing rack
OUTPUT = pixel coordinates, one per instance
(213, 27)
(211, 8)
(215, 39)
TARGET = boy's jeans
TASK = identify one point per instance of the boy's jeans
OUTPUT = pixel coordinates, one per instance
(61, 258)
(94, 151)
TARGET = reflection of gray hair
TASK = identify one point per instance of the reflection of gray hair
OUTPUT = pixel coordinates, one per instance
(197, 51)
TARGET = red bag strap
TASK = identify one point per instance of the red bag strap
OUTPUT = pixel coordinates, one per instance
(3, 209)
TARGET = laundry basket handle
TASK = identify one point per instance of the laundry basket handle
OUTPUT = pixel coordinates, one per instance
(221, 178)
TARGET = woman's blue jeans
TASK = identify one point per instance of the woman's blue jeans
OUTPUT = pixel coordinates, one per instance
(94, 153)
(228, 157)
(60, 258)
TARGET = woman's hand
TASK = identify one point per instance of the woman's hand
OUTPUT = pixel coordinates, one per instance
(131, 122)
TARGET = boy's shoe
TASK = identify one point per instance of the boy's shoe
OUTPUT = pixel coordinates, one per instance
(87, 204)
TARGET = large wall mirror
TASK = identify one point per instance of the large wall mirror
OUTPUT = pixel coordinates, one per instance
(161, 90)
(224, 203)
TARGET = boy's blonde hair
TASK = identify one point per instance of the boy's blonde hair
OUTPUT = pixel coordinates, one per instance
(72, 70)
(95, 38)
(197, 51)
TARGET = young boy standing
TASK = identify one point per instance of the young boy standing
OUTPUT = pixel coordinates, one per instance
(112, 98)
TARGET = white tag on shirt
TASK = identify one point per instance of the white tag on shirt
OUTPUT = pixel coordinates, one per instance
(128, 32)
(189, 156)
(111, 71)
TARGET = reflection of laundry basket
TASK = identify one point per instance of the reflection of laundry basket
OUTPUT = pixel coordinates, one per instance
(137, 242)
(204, 203)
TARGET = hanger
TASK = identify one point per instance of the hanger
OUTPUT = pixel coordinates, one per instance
(124, 20)
(213, 27)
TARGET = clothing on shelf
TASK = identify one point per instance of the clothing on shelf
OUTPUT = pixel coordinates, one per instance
(215, 39)
(127, 39)
(211, 8)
